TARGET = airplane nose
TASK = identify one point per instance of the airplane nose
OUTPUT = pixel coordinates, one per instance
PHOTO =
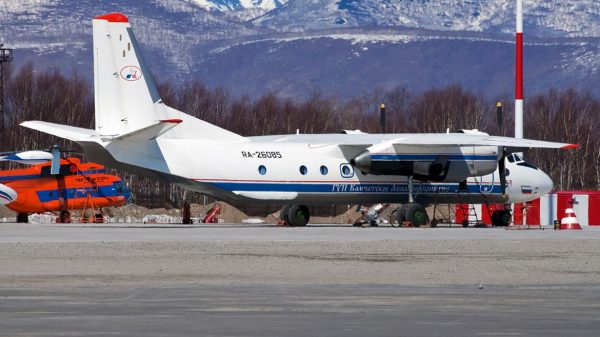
(545, 184)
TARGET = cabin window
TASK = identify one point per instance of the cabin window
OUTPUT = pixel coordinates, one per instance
(262, 170)
(303, 170)
(346, 170)
(324, 170)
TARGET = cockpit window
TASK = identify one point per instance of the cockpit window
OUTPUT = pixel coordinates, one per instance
(65, 170)
(511, 158)
(526, 164)
(518, 158)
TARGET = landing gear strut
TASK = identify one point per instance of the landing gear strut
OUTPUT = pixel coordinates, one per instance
(411, 212)
(64, 217)
(295, 215)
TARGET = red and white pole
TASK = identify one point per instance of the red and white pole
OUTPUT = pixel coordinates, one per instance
(519, 73)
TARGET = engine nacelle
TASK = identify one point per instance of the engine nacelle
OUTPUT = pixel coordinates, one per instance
(448, 164)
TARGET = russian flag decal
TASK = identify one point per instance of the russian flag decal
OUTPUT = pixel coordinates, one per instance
(526, 189)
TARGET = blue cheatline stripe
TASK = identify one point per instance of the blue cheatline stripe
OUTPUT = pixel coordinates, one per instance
(24, 177)
(351, 188)
(37, 176)
(71, 193)
(473, 157)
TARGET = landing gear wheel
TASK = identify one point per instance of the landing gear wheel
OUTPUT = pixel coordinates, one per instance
(400, 215)
(465, 223)
(65, 217)
(417, 215)
(434, 223)
(298, 215)
(501, 218)
(22, 218)
(283, 216)
(394, 218)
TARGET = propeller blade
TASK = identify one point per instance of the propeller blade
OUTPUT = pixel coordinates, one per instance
(500, 118)
(502, 172)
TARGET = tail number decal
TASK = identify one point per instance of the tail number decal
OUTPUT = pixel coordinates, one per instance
(262, 154)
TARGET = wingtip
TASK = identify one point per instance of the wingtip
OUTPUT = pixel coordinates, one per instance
(172, 121)
(570, 146)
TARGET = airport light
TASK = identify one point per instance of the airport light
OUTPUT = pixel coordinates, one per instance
(6, 55)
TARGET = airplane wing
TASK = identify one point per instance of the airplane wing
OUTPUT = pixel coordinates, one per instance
(460, 139)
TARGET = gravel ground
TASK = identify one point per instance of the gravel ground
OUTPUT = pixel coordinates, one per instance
(402, 262)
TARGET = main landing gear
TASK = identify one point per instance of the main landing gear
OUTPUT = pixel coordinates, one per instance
(411, 212)
(295, 215)
(22, 218)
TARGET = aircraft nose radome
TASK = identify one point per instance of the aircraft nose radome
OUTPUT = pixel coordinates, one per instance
(545, 183)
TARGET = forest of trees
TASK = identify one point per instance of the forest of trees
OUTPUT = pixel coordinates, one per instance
(558, 115)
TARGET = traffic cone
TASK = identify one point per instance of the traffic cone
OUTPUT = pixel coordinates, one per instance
(569, 221)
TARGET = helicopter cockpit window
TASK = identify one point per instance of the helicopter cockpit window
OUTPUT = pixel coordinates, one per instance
(65, 170)
(119, 187)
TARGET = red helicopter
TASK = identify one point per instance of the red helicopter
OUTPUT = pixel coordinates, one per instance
(55, 184)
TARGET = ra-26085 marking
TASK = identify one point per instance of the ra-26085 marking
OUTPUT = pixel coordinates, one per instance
(262, 154)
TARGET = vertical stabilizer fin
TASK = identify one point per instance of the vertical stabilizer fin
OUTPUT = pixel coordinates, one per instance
(126, 97)
(122, 83)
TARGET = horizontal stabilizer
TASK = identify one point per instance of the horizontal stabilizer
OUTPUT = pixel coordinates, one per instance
(149, 132)
(63, 131)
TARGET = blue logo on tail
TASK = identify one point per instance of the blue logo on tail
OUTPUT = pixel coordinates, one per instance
(131, 73)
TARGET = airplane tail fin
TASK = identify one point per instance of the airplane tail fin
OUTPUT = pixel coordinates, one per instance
(126, 97)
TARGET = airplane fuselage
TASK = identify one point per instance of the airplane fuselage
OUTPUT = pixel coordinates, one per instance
(292, 170)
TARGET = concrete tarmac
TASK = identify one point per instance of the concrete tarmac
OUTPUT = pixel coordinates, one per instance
(240, 280)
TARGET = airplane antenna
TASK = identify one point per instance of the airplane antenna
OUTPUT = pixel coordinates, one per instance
(382, 117)
(6, 55)
(500, 118)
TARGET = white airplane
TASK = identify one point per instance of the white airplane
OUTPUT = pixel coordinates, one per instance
(136, 131)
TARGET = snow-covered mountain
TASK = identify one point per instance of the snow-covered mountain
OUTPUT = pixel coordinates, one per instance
(233, 5)
(337, 46)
